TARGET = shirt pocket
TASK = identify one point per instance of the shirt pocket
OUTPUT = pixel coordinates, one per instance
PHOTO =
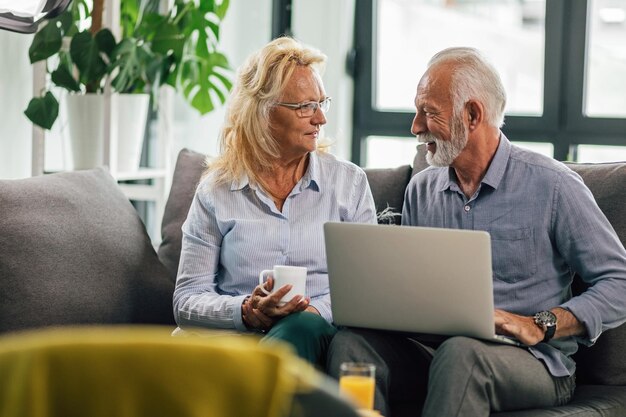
(513, 254)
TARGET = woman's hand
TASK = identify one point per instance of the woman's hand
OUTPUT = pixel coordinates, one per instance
(261, 311)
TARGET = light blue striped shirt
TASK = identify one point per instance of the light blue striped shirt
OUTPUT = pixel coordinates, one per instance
(544, 225)
(233, 231)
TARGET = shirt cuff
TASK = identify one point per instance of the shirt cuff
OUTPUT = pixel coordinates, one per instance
(324, 309)
(237, 316)
(588, 315)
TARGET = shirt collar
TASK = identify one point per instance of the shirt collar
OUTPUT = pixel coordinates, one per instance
(496, 169)
(494, 173)
(241, 183)
(310, 177)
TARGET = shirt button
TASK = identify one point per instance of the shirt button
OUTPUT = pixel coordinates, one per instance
(467, 208)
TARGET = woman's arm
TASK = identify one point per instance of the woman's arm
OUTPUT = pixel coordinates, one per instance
(196, 300)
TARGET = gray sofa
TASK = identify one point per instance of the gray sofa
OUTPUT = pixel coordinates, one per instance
(74, 251)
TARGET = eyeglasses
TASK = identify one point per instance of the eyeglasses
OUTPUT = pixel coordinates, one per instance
(308, 108)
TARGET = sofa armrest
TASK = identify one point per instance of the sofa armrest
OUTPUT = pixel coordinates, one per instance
(187, 173)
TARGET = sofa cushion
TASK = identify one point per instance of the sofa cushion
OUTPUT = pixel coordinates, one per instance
(187, 173)
(74, 251)
(607, 182)
(387, 185)
(588, 401)
(605, 362)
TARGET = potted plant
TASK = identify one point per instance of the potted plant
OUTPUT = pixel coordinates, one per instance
(178, 48)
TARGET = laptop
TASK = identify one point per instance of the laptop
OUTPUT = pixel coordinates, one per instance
(411, 279)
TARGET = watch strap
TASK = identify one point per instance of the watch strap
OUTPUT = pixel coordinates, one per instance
(549, 334)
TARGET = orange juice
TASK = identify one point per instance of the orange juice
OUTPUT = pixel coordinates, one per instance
(359, 388)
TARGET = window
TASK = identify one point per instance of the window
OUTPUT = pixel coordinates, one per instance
(605, 86)
(497, 28)
(385, 152)
(565, 85)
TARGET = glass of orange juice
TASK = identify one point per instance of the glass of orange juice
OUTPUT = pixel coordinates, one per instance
(356, 380)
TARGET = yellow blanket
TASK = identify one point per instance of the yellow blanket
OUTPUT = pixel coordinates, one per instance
(143, 371)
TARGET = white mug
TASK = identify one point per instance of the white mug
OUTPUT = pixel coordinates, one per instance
(284, 275)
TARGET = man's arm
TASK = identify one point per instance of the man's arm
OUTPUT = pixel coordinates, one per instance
(591, 248)
(524, 329)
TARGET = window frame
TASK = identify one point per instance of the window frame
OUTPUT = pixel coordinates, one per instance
(562, 123)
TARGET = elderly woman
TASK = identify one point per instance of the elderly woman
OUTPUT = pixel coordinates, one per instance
(263, 202)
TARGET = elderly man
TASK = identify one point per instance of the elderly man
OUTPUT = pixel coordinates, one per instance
(544, 226)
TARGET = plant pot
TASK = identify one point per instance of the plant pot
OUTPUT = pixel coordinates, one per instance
(85, 113)
(131, 123)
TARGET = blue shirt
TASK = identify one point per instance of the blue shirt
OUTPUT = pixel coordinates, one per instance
(234, 231)
(545, 225)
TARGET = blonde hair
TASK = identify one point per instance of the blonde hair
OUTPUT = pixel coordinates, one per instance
(246, 142)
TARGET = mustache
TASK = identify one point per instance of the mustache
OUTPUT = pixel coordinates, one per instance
(426, 137)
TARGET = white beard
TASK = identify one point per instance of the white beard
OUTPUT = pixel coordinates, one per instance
(446, 150)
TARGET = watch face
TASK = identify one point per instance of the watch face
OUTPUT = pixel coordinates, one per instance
(547, 318)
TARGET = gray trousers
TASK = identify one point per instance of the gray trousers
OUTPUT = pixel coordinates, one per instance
(459, 377)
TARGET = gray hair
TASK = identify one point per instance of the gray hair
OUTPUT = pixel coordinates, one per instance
(474, 77)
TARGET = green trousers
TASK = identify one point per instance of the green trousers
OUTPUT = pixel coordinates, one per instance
(307, 332)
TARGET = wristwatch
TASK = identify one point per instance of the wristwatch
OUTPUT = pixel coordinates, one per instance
(547, 321)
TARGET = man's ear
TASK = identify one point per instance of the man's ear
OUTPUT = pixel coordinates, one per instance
(475, 113)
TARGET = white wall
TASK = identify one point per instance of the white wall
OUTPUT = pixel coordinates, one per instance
(324, 24)
(15, 91)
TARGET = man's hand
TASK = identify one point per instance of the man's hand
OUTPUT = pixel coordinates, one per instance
(261, 311)
(522, 328)
(525, 330)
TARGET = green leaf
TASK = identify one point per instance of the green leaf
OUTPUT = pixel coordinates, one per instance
(106, 41)
(207, 6)
(43, 111)
(227, 83)
(219, 60)
(63, 78)
(198, 86)
(220, 11)
(219, 92)
(66, 60)
(149, 26)
(129, 13)
(202, 102)
(131, 59)
(65, 19)
(46, 42)
(156, 70)
(168, 40)
(202, 49)
(215, 29)
(86, 55)
(79, 9)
